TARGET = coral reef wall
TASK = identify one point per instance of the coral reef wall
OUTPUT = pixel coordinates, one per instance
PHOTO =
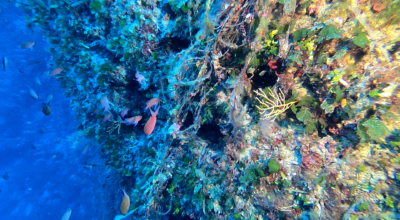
(267, 108)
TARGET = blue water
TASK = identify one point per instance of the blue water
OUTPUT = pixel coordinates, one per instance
(44, 182)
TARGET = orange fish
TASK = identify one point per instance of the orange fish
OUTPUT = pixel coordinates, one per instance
(56, 71)
(27, 44)
(151, 123)
(104, 102)
(133, 120)
(106, 117)
(124, 112)
(343, 103)
(125, 203)
(151, 102)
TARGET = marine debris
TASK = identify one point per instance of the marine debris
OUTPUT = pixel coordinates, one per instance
(261, 109)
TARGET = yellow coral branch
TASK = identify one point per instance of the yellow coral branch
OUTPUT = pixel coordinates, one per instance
(272, 106)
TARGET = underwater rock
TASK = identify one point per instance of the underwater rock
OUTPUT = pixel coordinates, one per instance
(311, 84)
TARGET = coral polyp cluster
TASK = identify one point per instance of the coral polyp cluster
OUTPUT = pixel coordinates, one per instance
(268, 108)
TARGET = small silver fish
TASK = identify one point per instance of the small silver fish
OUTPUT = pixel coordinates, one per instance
(67, 215)
(32, 93)
(5, 63)
(37, 81)
(46, 74)
(49, 98)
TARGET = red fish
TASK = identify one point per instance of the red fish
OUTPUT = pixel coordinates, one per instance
(106, 117)
(27, 44)
(56, 71)
(133, 120)
(124, 112)
(151, 102)
(149, 127)
(104, 102)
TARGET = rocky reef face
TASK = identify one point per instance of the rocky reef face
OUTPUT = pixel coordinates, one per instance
(269, 109)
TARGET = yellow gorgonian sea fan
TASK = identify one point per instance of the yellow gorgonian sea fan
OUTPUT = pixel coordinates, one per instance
(273, 104)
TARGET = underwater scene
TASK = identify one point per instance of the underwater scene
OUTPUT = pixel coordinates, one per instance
(200, 109)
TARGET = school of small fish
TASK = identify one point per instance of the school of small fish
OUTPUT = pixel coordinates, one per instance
(151, 122)
(46, 109)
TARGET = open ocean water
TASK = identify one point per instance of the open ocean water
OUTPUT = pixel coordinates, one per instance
(43, 173)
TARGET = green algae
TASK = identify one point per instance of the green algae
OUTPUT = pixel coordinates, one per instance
(361, 40)
(330, 32)
(389, 202)
(376, 129)
(363, 207)
(96, 5)
(273, 166)
(301, 33)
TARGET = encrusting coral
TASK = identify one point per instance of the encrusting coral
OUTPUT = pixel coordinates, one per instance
(268, 108)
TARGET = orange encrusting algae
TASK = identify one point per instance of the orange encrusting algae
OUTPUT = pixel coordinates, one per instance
(151, 123)
(125, 203)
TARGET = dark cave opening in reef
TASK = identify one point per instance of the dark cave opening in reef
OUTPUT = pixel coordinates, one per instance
(177, 44)
(189, 120)
(210, 132)
(207, 131)
(265, 76)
